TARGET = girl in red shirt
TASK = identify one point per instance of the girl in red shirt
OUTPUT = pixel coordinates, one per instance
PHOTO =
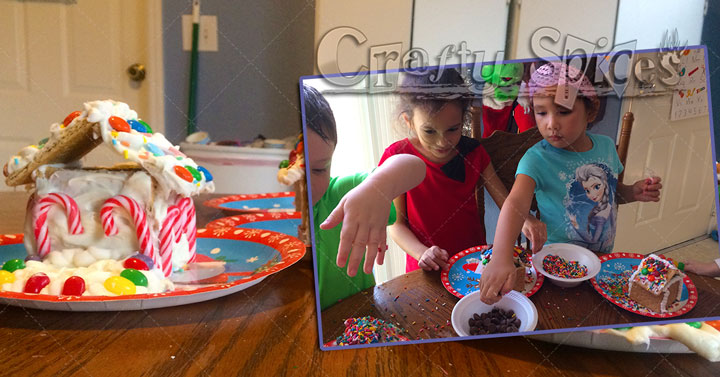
(439, 217)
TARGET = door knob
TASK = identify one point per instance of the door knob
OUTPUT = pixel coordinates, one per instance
(136, 72)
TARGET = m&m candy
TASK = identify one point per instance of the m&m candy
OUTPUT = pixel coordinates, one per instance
(194, 172)
(696, 325)
(74, 286)
(119, 124)
(284, 164)
(36, 283)
(206, 173)
(137, 126)
(148, 130)
(6, 277)
(183, 173)
(13, 264)
(119, 285)
(135, 276)
(71, 117)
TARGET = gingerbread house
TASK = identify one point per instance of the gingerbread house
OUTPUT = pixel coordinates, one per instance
(655, 284)
(79, 216)
(292, 173)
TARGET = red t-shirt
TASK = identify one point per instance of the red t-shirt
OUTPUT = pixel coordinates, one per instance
(498, 119)
(442, 210)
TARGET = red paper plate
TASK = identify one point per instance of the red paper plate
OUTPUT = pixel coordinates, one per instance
(250, 255)
(247, 203)
(460, 279)
(616, 269)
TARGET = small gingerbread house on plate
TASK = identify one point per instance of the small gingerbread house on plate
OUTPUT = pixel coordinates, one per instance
(77, 216)
(655, 284)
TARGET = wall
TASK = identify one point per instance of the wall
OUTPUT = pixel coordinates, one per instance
(250, 86)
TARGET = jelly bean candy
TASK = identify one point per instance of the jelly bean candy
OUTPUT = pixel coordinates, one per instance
(136, 264)
(148, 261)
(206, 173)
(148, 130)
(299, 148)
(195, 173)
(137, 126)
(293, 157)
(74, 286)
(6, 277)
(13, 264)
(183, 173)
(119, 285)
(284, 164)
(42, 143)
(696, 325)
(622, 328)
(36, 283)
(135, 276)
(119, 124)
(70, 118)
(33, 257)
(152, 148)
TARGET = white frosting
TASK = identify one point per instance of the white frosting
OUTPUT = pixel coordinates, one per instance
(56, 267)
(290, 175)
(23, 158)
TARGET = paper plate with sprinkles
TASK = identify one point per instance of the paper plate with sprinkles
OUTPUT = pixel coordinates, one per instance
(281, 222)
(612, 281)
(368, 330)
(461, 279)
(246, 257)
(246, 203)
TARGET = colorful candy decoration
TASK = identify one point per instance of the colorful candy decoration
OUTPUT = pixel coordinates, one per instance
(74, 286)
(71, 117)
(139, 218)
(119, 286)
(206, 173)
(195, 173)
(147, 126)
(696, 325)
(42, 143)
(136, 264)
(183, 173)
(13, 265)
(558, 266)
(6, 277)
(36, 283)
(33, 257)
(119, 124)
(41, 213)
(152, 148)
(284, 164)
(368, 330)
(188, 225)
(135, 276)
(168, 233)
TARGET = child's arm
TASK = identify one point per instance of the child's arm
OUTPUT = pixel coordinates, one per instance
(534, 229)
(646, 190)
(365, 209)
(498, 274)
(432, 258)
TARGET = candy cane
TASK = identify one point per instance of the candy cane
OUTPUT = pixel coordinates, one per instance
(167, 238)
(41, 212)
(142, 228)
(188, 225)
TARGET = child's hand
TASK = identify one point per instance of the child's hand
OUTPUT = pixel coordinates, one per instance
(647, 190)
(706, 269)
(496, 280)
(364, 212)
(536, 231)
(434, 258)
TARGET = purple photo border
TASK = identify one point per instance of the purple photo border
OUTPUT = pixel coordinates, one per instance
(490, 336)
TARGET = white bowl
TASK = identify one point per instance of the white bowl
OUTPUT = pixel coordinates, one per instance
(569, 252)
(467, 306)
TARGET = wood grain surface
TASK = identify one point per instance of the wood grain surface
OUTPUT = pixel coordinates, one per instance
(271, 330)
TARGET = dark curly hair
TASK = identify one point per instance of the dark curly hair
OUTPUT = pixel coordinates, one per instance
(318, 115)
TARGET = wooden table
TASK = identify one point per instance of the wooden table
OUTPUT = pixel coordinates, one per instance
(271, 330)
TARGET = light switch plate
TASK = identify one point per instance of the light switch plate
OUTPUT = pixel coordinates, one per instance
(207, 35)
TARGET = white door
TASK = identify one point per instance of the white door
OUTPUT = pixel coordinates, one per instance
(680, 153)
(56, 55)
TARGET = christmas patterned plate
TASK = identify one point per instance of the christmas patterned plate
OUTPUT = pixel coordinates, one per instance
(281, 222)
(248, 255)
(611, 283)
(461, 278)
(244, 203)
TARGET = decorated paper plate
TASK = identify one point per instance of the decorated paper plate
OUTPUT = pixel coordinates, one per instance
(611, 283)
(461, 279)
(270, 202)
(246, 257)
(281, 222)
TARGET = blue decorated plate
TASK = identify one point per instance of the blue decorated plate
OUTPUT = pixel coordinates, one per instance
(281, 222)
(245, 203)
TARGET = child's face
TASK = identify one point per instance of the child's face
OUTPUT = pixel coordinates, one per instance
(438, 132)
(594, 188)
(562, 128)
(320, 158)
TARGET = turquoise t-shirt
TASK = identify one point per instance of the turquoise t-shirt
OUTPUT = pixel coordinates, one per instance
(575, 191)
(334, 282)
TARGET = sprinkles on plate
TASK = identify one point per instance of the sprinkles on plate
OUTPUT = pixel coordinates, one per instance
(367, 330)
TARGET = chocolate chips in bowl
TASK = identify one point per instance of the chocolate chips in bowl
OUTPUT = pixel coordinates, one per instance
(494, 322)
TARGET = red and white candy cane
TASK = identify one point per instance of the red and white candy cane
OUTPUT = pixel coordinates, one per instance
(188, 225)
(41, 213)
(142, 228)
(170, 228)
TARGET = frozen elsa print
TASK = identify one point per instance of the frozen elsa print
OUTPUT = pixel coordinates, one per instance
(594, 181)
